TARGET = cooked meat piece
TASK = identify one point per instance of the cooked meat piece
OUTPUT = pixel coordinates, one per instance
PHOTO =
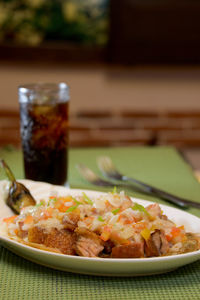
(108, 245)
(164, 245)
(157, 244)
(70, 220)
(154, 210)
(133, 250)
(60, 239)
(87, 243)
(164, 217)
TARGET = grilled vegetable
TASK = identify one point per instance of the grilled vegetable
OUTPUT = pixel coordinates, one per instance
(19, 196)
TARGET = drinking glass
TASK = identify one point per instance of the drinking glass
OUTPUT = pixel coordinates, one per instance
(44, 127)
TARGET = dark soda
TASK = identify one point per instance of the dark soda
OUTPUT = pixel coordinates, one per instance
(44, 135)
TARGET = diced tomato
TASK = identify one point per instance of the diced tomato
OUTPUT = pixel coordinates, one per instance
(176, 232)
(168, 237)
(62, 204)
(10, 219)
(28, 220)
(128, 221)
(120, 218)
(62, 207)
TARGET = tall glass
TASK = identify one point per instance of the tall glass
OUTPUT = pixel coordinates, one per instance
(44, 131)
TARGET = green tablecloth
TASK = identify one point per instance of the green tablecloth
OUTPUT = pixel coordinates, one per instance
(162, 167)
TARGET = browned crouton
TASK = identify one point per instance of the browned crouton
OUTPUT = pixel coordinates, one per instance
(59, 239)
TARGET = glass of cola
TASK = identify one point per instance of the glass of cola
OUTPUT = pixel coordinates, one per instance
(44, 127)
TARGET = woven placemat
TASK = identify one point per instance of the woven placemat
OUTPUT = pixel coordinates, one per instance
(21, 279)
(163, 167)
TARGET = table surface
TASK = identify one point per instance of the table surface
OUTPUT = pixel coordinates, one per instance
(160, 166)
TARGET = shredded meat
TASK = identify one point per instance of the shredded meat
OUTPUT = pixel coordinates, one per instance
(60, 239)
(157, 244)
(134, 250)
(87, 243)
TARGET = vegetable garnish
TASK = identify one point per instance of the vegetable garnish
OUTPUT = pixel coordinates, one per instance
(52, 200)
(87, 199)
(140, 208)
(76, 201)
(115, 211)
(114, 191)
(100, 219)
(72, 208)
(41, 203)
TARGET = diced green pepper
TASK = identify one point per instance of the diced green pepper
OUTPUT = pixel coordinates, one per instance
(115, 211)
(140, 208)
(72, 208)
(114, 191)
(87, 199)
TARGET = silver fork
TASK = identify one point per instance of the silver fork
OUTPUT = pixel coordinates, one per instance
(109, 170)
(90, 176)
(93, 178)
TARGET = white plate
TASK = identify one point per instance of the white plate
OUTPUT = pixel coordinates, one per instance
(98, 266)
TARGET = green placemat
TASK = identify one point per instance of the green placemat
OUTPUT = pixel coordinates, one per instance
(162, 167)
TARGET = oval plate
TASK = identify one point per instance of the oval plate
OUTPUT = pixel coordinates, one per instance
(97, 266)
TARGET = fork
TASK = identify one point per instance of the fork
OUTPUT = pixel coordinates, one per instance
(93, 178)
(109, 170)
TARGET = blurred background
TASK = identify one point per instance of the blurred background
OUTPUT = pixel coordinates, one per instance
(133, 67)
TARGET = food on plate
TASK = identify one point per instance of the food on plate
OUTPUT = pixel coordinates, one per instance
(110, 225)
(18, 196)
